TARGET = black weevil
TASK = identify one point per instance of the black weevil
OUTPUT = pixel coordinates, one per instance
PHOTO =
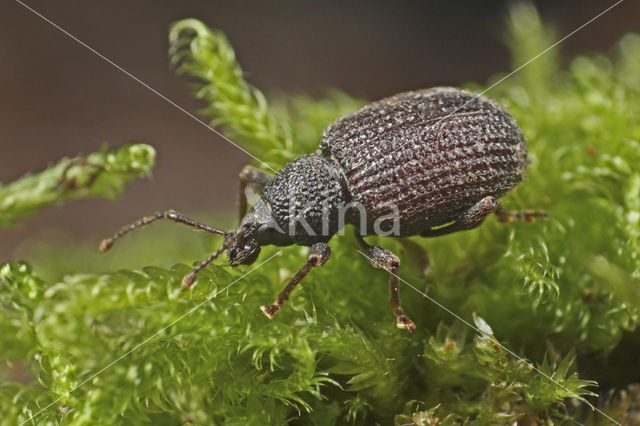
(425, 163)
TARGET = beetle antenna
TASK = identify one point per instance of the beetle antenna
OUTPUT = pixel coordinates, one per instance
(188, 280)
(169, 214)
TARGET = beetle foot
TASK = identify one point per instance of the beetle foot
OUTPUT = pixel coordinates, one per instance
(271, 310)
(404, 322)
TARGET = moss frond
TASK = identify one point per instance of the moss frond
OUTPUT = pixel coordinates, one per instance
(274, 135)
(100, 174)
(233, 103)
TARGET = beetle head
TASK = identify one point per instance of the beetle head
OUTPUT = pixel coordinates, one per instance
(258, 228)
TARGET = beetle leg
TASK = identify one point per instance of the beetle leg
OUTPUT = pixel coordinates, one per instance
(384, 259)
(506, 216)
(318, 255)
(254, 178)
(473, 217)
(169, 214)
(417, 256)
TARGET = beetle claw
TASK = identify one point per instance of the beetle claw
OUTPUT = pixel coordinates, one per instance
(404, 322)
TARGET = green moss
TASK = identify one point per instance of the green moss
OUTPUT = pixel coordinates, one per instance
(99, 174)
(555, 291)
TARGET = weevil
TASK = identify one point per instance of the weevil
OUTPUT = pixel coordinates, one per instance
(431, 161)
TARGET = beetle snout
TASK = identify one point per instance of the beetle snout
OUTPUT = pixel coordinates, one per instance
(243, 252)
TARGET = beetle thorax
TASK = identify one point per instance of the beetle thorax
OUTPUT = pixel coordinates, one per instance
(304, 198)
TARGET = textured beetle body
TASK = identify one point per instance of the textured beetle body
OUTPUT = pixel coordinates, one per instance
(312, 188)
(433, 153)
(434, 161)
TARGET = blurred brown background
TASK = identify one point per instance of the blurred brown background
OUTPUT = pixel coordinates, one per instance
(59, 99)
